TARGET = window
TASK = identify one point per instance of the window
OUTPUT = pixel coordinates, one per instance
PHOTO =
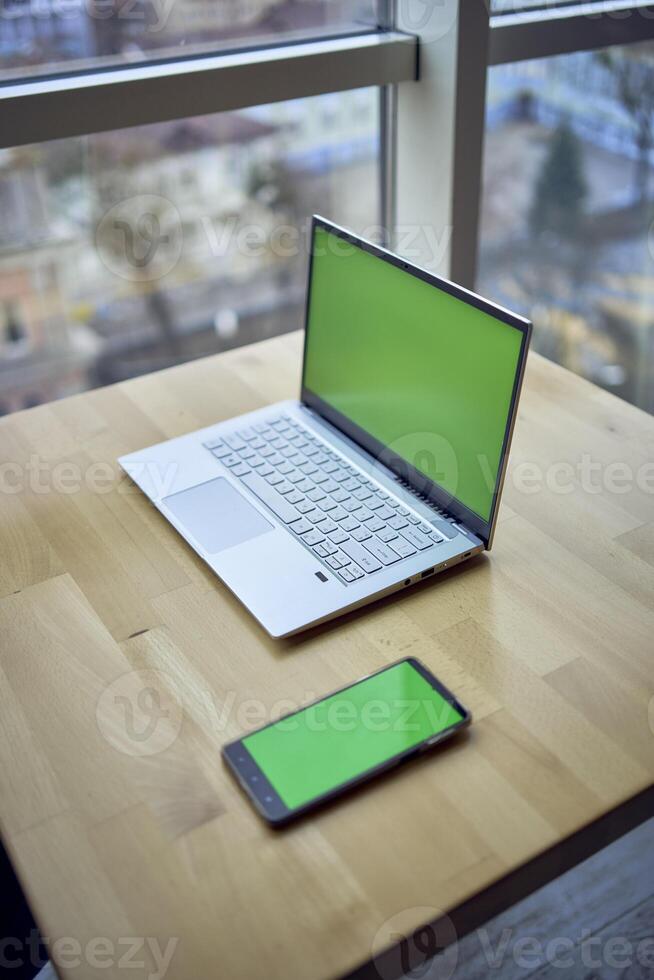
(70, 35)
(568, 201)
(128, 251)
(159, 164)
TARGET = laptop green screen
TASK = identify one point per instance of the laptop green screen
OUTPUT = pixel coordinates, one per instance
(423, 372)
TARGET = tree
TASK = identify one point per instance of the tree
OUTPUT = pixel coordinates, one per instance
(633, 77)
(561, 189)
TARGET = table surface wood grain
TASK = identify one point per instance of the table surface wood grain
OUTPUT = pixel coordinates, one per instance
(126, 664)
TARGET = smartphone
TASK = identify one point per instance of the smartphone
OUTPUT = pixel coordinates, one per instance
(310, 756)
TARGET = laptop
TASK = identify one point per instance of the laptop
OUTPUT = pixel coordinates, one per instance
(389, 467)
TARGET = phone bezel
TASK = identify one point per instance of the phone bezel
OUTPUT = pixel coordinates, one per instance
(265, 798)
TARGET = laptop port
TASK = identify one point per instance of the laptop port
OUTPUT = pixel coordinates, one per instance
(467, 554)
(428, 571)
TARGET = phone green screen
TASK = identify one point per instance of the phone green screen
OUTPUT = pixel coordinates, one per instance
(310, 753)
(427, 374)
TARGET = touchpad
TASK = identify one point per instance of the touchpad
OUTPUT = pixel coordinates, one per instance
(217, 515)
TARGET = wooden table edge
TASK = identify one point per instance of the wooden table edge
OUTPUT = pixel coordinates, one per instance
(512, 887)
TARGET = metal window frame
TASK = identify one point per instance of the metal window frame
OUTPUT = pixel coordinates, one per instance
(74, 105)
(564, 30)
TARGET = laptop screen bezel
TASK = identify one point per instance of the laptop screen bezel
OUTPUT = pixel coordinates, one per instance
(400, 467)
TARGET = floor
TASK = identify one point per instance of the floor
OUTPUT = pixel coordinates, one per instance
(594, 923)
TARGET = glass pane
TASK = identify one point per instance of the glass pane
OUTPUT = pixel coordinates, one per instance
(65, 35)
(125, 252)
(566, 233)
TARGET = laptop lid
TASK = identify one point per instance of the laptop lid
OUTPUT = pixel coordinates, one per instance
(421, 373)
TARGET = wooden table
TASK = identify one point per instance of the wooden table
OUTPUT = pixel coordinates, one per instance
(109, 623)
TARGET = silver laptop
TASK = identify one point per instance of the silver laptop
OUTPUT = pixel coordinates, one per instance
(387, 470)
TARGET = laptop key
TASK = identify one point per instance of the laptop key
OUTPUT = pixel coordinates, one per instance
(416, 538)
(284, 487)
(382, 551)
(213, 443)
(349, 523)
(346, 574)
(387, 534)
(327, 526)
(351, 504)
(329, 487)
(355, 571)
(241, 469)
(397, 522)
(333, 562)
(235, 443)
(313, 537)
(338, 514)
(412, 519)
(278, 505)
(305, 506)
(402, 546)
(265, 470)
(358, 554)
(231, 460)
(385, 513)
(339, 495)
(294, 497)
(338, 536)
(361, 494)
(361, 534)
(221, 451)
(351, 484)
(375, 524)
(316, 494)
(301, 526)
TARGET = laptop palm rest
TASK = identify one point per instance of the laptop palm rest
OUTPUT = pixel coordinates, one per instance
(216, 515)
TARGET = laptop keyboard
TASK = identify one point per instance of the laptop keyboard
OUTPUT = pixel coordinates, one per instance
(343, 518)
